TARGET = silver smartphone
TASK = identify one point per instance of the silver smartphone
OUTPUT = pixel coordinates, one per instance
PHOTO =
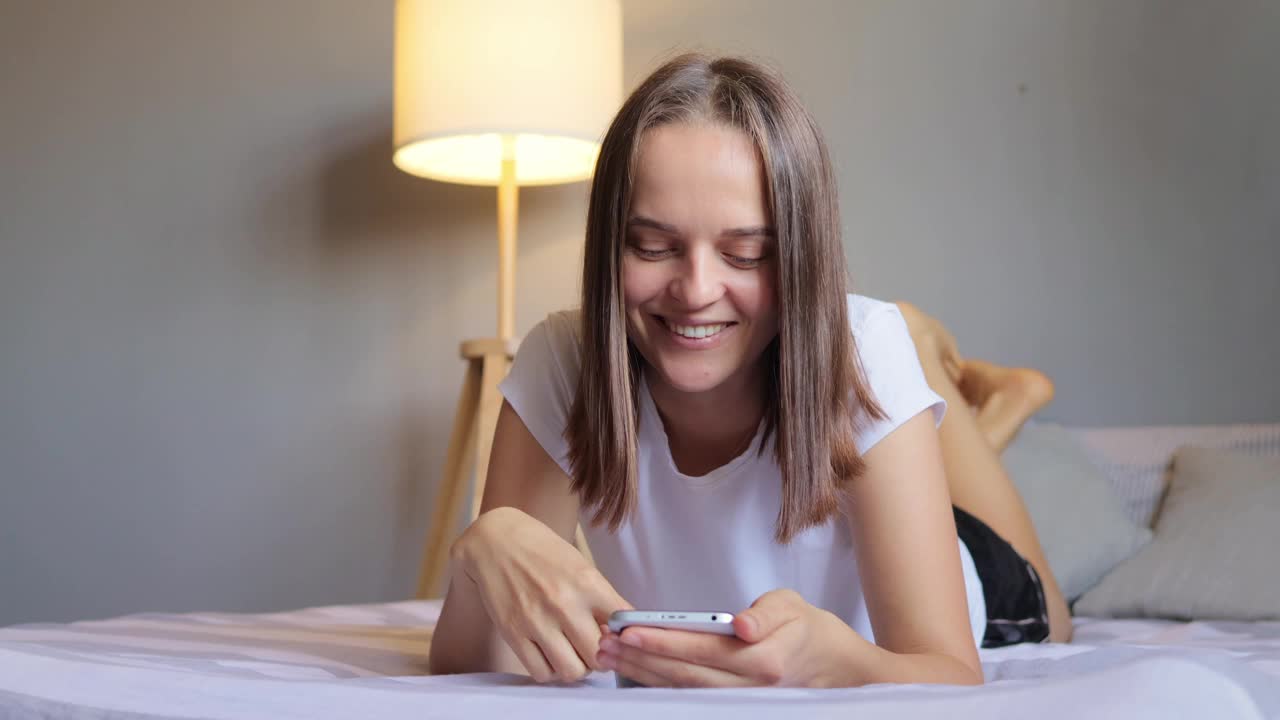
(720, 623)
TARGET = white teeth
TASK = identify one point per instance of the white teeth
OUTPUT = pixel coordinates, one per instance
(695, 331)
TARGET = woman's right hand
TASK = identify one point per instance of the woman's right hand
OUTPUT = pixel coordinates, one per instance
(543, 597)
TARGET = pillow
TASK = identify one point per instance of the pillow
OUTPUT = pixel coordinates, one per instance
(1214, 552)
(1077, 515)
(1137, 460)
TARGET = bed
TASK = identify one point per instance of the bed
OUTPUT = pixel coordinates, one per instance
(370, 660)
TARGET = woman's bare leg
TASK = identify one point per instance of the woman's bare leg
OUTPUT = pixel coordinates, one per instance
(1005, 397)
(977, 479)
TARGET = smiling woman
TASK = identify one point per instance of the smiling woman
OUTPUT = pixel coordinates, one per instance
(716, 174)
(734, 431)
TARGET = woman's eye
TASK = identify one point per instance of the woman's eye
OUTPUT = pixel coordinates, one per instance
(651, 253)
(746, 262)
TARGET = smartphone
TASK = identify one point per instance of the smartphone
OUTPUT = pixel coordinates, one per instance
(720, 623)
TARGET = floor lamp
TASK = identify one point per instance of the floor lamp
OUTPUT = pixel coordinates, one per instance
(505, 93)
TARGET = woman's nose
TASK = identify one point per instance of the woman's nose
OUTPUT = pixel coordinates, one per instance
(698, 282)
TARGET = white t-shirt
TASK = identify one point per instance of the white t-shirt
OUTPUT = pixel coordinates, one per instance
(706, 543)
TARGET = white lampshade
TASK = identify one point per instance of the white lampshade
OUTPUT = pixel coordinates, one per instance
(547, 73)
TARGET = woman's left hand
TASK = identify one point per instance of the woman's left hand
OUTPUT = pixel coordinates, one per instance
(780, 640)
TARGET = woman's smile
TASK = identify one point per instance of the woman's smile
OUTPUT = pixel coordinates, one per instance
(696, 336)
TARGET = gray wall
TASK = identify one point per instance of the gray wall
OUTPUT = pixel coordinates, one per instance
(228, 326)
(1088, 187)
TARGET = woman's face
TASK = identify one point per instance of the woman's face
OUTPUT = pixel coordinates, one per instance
(698, 269)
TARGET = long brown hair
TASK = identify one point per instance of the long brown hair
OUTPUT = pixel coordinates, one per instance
(816, 392)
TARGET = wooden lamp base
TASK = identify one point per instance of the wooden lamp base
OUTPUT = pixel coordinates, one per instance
(488, 361)
(470, 442)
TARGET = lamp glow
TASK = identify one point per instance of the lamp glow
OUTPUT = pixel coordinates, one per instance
(468, 72)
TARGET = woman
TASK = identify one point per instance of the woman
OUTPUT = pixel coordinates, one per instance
(736, 432)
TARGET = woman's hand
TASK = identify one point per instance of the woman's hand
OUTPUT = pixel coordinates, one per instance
(543, 597)
(781, 640)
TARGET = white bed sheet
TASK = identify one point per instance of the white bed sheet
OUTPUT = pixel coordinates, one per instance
(370, 661)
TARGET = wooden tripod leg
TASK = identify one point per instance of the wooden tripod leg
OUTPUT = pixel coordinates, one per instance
(453, 484)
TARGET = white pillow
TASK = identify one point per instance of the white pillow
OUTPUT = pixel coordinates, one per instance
(1214, 552)
(1079, 519)
(1137, 459)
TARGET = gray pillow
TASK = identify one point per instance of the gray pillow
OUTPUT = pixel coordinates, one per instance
(1080, 521)
(1214, 556)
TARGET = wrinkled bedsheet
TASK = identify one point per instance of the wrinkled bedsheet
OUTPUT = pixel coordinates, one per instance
(370, 661)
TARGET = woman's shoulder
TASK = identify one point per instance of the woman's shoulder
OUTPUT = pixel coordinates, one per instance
(562, 331)
(541, 383)
(562, 326)
(862, 308)
(891, 366)
(554, 343)
(879, 331)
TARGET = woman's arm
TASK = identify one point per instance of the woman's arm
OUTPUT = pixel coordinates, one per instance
(909, 564)
(521, 476)
(465, 639)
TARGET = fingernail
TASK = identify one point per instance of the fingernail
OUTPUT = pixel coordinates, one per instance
(609, 645)
(630, 639)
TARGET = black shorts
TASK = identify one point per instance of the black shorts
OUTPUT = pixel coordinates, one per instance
(1016, 610)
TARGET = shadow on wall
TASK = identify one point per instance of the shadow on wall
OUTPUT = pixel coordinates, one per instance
(398, 258)
(409, 266)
